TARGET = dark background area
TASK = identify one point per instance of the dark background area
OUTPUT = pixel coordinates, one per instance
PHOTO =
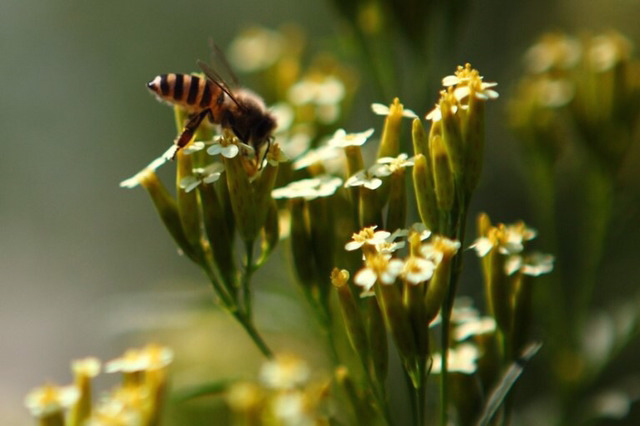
(76, 119)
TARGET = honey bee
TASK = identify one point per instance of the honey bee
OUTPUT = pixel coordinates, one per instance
(239, 110)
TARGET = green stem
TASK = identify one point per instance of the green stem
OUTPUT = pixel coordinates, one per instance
(248, 326)
(419, 404)
(456, 230)
(246, 279)
(227, 300)
(599, 200)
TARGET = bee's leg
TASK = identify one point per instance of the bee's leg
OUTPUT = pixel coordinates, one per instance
(266, 151)
(190, 129)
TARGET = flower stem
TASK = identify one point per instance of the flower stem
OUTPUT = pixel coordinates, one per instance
(246, 279)
(248, 326)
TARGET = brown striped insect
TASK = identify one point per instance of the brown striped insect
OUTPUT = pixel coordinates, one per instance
(239, 110)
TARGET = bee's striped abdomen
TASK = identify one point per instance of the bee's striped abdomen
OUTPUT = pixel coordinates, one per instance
(189, 91)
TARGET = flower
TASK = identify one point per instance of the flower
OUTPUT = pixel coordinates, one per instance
(369, 236)
(324, 92)
(533, 265)
(553, 51)
(461, 359)
(508, 239)
(256, 49)
(222, 145)
(468, 81)
(284, 372)
(195, 146)
(320, 90)
(381, 109)
(284, 116)
(208, 174)
(385, 166)
(342, 139)
(135, 180)
(314, 156)
(151, 357)
(417, 270)
(474, 326)
(309, 189)
(436, 113)
(380, 268)
(440, 247)
(51, 399)
(89, 367)
(363, 178)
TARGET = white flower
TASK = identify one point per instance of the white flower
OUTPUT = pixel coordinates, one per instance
(151, 357)
(284, 116)
(135, 180)
(468, 82)
(309, 189)
(440, 247)
(195, 146)
(256, 49)
(369, 236)
(50, 399)
(533, 265)
(553, 51)
(508, 239)
(482, 91)
(389, 246)
(461, 359)
(436, 113)
(381, 109)
(473, 327)
(482, 246)
(208, 174)
(284, 372)
(221, 146)
(88, 367)
(292, 409)
(327, 90)
(417, 270)
(363, 178)
(314, 156)
(342, 139)
(380, 268)
(385, 166)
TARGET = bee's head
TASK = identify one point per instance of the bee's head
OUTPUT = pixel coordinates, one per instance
(252, 123)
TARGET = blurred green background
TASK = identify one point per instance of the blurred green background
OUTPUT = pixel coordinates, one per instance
(76, 119)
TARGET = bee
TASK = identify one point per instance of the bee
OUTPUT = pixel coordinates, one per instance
(239, 110)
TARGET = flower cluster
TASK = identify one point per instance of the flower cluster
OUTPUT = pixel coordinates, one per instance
(138, 400)
(284, 395)
(508, 273)
(590, 82)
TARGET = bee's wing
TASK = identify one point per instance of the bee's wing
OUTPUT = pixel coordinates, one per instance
(218, 58)
(216, 79)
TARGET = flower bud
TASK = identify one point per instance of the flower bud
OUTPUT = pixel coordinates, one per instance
(301, 243)
(442, 174)
(452, 133)
(188, 205)
(473, 131)
(419, 138)
(167, 208)
(351, 314)
(219, 235)
(390, 141)
(397, 205)
(270, 232)
(424, 192)
(242, 199)
(377, 340)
